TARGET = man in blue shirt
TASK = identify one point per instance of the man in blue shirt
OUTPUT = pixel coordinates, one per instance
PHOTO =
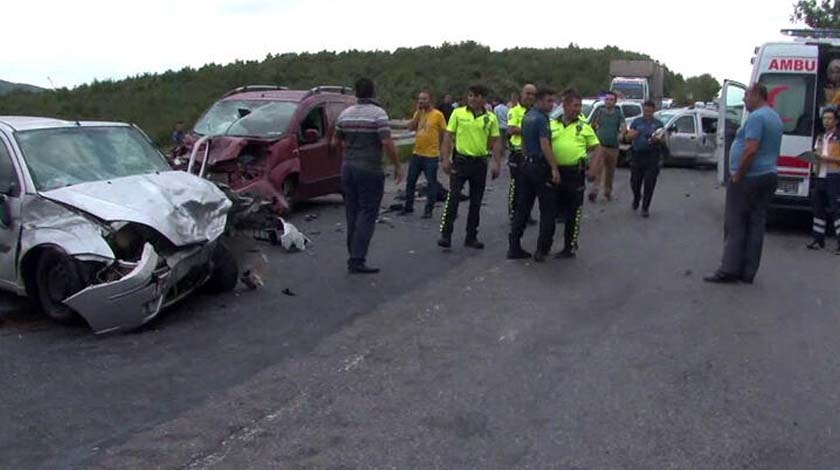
(644, 163)
(538, 179)
(753, 158)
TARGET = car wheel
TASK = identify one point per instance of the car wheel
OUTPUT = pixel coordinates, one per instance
(225, 271)
(56, 279)
(666, 159)
(289, 191)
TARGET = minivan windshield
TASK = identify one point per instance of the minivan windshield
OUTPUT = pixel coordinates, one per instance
(252, 118)
(74, 155)
(665, 116)
(629, 90)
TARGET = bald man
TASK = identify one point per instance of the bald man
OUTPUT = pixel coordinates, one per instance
(514, 122)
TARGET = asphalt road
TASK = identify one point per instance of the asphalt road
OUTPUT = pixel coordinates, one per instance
(620, 359)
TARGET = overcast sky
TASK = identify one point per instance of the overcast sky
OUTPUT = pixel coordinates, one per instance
(76, 41)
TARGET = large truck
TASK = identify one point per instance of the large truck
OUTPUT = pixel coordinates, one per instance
(638, 80)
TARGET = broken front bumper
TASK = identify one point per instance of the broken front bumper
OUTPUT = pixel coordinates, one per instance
(141, 295)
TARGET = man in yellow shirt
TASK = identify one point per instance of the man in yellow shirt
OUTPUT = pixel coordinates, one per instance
(515, 117)
(474, 130)
(572, 138)
(430, 125)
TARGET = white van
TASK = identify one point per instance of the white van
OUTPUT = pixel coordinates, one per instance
(795, 76)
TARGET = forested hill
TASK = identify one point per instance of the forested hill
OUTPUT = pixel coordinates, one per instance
(8, 87)
(156, 101)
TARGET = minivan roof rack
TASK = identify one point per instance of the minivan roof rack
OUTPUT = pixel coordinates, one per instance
(246, 88)
(344, 90)
(821, 33)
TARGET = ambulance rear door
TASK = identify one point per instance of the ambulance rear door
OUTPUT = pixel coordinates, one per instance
(790, 73)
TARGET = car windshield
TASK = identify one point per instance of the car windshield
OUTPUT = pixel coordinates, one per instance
(631, 110)
(252, 118)
(70, 156)
(664, 116)
(629, 90)
(585, 111)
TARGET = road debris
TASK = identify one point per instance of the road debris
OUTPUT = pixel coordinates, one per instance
(385, 221)
(288, 292)
(252, 280)
(292, 238)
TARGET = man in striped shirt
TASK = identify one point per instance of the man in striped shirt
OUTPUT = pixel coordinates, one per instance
(362, 133)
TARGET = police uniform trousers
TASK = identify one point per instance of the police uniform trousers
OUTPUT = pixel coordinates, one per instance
(535, 184)
(824, 200)
(515, 161)
(472, 170)
(570, 194)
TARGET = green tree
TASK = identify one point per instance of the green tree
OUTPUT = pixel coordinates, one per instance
(701, 88)
(817, 14)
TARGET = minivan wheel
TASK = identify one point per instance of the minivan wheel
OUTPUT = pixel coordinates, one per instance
(289, 191)
(56, 279)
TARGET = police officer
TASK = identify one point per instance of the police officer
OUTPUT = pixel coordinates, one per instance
(474, 130)
(572, 138)
(515, 117)
(538, 177)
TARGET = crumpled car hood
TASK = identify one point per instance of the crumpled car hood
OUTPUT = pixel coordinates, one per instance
(182, 207)
(224, 149)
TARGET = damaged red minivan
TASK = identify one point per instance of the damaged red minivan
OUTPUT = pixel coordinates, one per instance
(273, 143)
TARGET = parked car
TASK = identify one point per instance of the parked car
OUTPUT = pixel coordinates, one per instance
(274, 143)
(690, 135)
(95, 224)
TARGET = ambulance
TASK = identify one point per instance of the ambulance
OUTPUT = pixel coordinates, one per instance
(795, 74)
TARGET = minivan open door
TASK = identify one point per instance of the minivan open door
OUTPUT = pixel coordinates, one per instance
(731, 117)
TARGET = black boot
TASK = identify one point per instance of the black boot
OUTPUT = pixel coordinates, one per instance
(473, 242)
(816, 245)
(515, 251)
(722, 278)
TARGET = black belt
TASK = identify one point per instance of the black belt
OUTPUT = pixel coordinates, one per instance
(534, 159)
(581, 165)
(460, 158)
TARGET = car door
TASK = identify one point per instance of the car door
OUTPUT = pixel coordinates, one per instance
(682, 137)
(10, 216)
(730, 118)
(314, 155)
(707, 142)
(334, 110)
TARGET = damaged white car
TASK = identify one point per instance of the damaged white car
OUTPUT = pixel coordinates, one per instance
(95, 224)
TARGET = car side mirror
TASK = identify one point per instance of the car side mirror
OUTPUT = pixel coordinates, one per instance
(311, 136)
(672, 129)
